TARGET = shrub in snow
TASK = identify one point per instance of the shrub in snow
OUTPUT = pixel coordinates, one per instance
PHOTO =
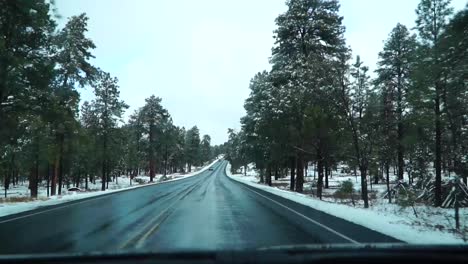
(408, 199)
(400, 189)
(163, 178)
(346, 190)
(347, 187)
(419, 165)
(313, 184)
(140, 181)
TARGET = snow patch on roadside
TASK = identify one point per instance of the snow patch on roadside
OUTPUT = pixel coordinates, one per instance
(8, 208)
(385, 222)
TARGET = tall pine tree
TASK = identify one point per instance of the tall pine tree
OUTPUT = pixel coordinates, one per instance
(431, 23)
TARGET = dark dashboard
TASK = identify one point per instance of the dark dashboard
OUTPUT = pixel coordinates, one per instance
(302, 254)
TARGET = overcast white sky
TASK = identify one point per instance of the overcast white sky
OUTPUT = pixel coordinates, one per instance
(199, 56)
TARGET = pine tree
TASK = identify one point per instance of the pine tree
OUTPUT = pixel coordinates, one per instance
(205, 148)
(454, 53)
(353, 99)
(179, 159)
(134, 134)
(192, 147)
(320, 126)
(301, 63)
(260, 126)
(108, 109)
(153, 116)
(394, 69)
(25, 30)
(88, 142)
(169, 141)
(431, 23)
(25, 76)
(72, 54)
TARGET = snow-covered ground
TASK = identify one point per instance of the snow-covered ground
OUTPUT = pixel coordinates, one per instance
(18, 197)
(431, 226)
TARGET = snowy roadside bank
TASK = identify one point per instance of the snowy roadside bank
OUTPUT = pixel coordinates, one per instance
(387, 222)
(8, 208)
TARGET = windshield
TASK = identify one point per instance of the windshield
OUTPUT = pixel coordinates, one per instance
(232, 125)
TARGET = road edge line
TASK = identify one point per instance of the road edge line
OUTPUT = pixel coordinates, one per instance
(245, 186)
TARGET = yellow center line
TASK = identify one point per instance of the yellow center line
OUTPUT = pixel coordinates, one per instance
(140, 242)
(154, 223)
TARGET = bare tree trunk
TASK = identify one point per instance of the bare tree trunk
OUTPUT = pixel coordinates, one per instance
(387, 168)
(293, 173)
(60, 175)
(33, 182)
(268, 175)
(151, 153)
(165, 162)
(107, 175)
(77, 180)
(457, 213)
(438, 150)
(104, 164)
(365, 198)
(320, 175)
(152, 169)
(400, 154)
(10, 175)
(300, 173)
(262, 177)
(5, 186)
(53, 185)
(327, 171)
(48, 179)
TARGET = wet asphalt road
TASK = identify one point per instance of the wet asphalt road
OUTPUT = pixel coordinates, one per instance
(204, 212)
